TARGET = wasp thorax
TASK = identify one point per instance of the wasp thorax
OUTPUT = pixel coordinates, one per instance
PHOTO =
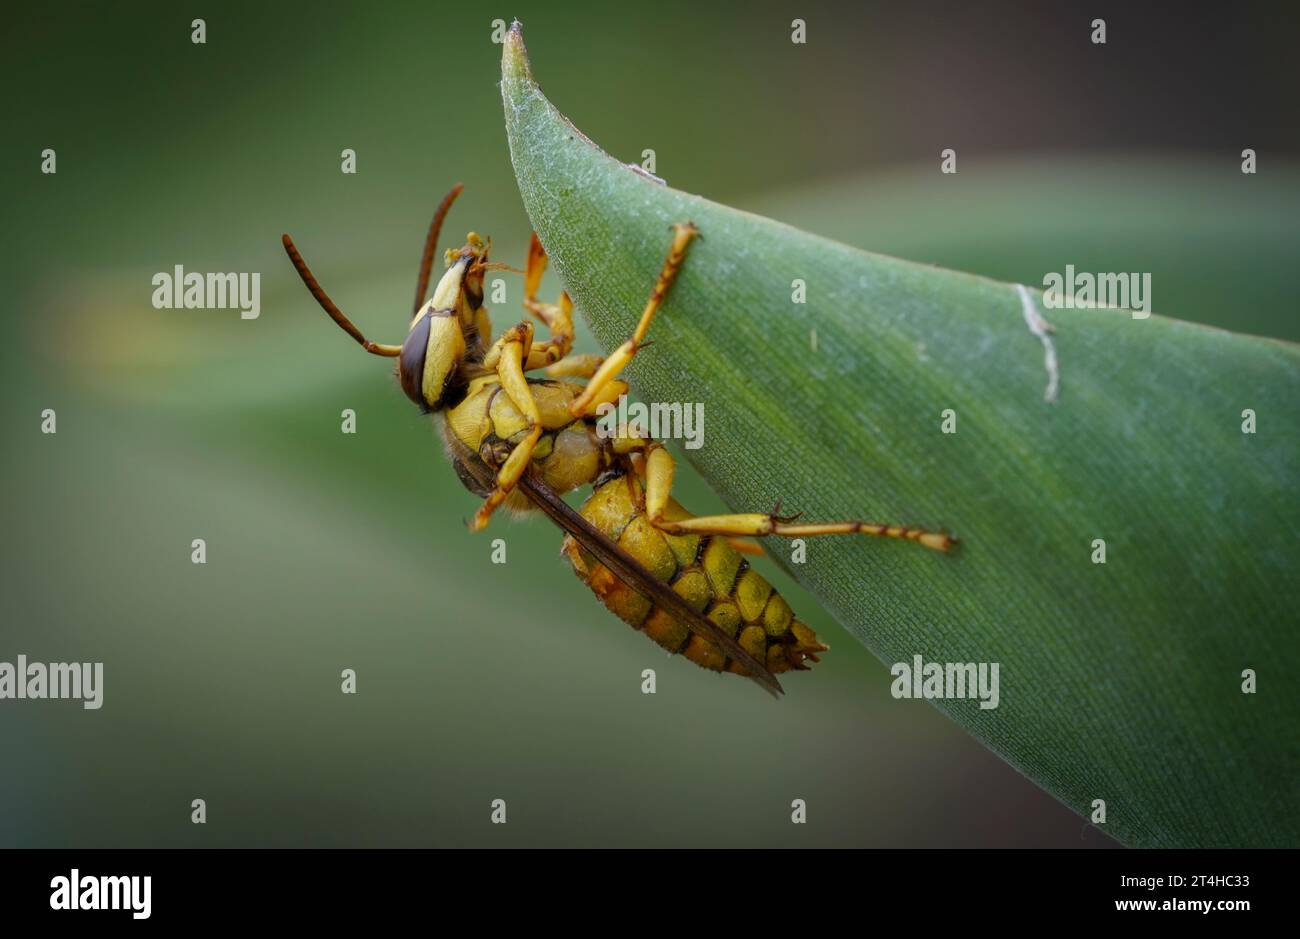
(429, 365)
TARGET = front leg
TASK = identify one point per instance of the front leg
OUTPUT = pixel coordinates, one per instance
(558, 317)
(507, 356)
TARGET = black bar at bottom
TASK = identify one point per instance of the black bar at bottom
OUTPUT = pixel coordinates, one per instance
(207, 887)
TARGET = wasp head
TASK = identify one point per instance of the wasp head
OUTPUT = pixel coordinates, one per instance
(445, 337)
(444, 333)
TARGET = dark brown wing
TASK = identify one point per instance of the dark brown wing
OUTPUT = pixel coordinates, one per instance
(631, 572)
(626, 568)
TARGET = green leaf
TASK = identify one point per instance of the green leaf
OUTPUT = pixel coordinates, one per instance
(1119, 681)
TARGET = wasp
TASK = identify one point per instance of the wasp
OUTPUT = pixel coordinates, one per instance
(520, 423)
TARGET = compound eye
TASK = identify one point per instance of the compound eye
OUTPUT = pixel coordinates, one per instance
(410, 364)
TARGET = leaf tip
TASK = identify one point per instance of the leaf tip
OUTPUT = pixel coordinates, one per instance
(514, 55)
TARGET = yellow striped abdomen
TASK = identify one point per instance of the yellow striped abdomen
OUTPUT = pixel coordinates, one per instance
(706, 570)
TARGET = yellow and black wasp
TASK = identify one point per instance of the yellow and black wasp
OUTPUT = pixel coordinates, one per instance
(520, 441)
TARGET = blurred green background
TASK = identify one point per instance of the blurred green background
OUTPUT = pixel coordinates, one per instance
(328, 551)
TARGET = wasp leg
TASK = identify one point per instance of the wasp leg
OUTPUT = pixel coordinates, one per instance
(507, 357)
(745, 546)
(575, 366)
(618, 360)
(557, 317)
(629, 442)
(659, 480)
(553, 350)
(608, 395)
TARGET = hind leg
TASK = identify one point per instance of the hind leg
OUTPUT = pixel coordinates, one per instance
(659, 470)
